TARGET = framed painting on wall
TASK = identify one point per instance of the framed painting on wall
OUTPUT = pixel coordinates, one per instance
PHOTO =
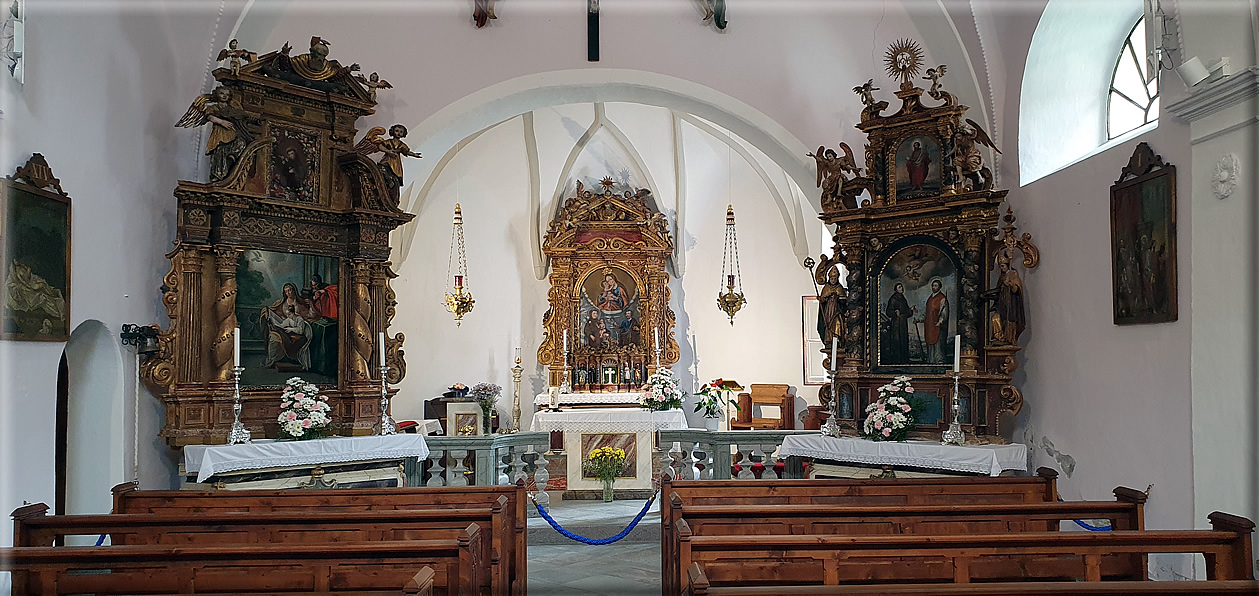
(918, 163)
(35, 223)
(1143, 240)
(814, 369)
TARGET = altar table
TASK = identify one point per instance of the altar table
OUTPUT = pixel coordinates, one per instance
(267, 463)
(631, 429)
(991, 460)
(583, 399)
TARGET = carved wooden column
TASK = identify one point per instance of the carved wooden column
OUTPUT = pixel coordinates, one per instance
(855, 316)
(360, 328)
(974, 277)
(192, 262)
(224, 313)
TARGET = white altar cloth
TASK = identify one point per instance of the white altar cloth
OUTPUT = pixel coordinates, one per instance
(544, 399)
(208, 460)
(975, 459)
(603, 420)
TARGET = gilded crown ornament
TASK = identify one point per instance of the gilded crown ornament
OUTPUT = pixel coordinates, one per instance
(459, 299)
(730, 301)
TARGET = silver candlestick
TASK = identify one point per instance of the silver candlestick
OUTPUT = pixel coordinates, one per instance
(831, 428)
(516, 371)
(954, 434)
(387, 425)
(239, 434)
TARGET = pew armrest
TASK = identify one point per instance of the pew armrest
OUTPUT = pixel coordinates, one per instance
(421, 584)
(698, 582)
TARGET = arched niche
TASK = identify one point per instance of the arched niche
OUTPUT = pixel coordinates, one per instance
(94, 428)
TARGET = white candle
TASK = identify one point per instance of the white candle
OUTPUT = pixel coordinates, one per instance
(517, 353)
(382, 348)
(655, 337)
(236, 348)
(957, 353)
(834, 352)
(565, 344)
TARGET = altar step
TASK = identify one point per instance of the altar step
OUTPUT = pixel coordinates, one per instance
(595, 519)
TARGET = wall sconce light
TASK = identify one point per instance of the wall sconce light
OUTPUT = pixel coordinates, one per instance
(143, 337)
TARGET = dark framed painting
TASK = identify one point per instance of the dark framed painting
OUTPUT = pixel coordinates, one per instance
(35, 222)
(288, 306)
(294, 165)
(1143, 240)
(611, 317)
(918, 163)
(916, 307)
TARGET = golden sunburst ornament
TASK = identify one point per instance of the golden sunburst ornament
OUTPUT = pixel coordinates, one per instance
(904, 59)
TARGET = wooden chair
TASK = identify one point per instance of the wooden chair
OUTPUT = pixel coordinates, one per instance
(765, 395)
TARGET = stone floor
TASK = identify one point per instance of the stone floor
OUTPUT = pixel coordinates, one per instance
(560, 566)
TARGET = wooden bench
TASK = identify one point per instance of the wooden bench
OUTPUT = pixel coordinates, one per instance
(698, 585)
(359, 567)
(961, 559)
(33, 527)
(961, 490)
(1125, 513)
(511, 547)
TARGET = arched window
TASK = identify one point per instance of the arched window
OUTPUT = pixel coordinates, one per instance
(1133, 98)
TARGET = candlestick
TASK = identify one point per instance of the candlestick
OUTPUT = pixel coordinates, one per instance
(954, 435)
(239, 434)
(387, 425)
(957, 353)
(515, 396)
(565, 346)
(236, 347)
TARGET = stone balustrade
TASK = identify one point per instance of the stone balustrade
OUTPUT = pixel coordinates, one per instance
(482, 460)
(697, 454)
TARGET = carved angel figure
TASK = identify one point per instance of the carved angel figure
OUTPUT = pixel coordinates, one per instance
(235, 56)
(373, 82)
(872, 106)
(482, 12)
(715, 10)
(393, 148)
(967, 158)
(228, 135)
(937, 91)
(831, 169)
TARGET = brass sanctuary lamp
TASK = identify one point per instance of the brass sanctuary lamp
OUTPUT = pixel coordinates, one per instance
(731, 301)
(458, 301)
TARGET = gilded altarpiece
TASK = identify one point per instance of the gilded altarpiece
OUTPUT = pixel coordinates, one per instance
(930, 262)
(609, 291)
(289, 241)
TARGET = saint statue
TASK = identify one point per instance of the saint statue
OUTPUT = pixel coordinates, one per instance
(1007, 319)
(228, 135)
(832, 301)
(896, 337)
(312, 69)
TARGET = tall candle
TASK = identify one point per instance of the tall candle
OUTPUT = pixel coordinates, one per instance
(957, 353)
(566, 344)
(236, 348)
(517, 353)
(834, 352)
(382, 348)
(655, 337)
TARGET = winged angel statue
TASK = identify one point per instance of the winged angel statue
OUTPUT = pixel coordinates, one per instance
(967, 158)
(393, 148)
(228, 135)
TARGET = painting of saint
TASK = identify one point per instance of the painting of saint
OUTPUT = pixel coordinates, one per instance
(918, 167)
(36, 264)
(294, 171)
(287, 306)
(1143, 249)
(610, 313)
(918, 291)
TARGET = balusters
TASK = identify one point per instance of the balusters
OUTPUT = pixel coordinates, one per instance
(688, 470)
(666, 463)
(435, 477)
(517, 464)
(706, 461)
(541, 476)
(746, 453)
(502, 462)
(771, 462)
(457, 473)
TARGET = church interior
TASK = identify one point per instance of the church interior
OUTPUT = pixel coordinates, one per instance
(629, 296)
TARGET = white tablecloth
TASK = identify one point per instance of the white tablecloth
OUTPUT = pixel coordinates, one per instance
(603, 420)
(208, 460)
(544, 399)
(975, 459)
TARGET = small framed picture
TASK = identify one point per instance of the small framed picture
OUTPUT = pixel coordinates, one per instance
(463, 419)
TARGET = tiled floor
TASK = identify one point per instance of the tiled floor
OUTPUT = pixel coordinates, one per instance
(563, 567)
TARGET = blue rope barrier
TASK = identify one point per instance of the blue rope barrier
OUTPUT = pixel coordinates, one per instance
(101, 540)
(593, 541)
(1088, 526)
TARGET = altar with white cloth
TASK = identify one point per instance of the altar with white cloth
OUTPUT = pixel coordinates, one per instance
(985, 459)
(581, 400)
(631, 429)
(367, 461)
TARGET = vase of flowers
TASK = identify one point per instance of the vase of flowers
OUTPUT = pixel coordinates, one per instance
(459, 390)
(605, 463)
(714, 400)
(662, 391)
(303, 411)
(891, 417)
(486, 395)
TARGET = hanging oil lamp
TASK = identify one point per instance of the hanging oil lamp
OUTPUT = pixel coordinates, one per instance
(731, 300)
(458, 298)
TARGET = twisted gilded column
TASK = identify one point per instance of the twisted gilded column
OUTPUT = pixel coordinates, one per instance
(360, 320)
(224, 313)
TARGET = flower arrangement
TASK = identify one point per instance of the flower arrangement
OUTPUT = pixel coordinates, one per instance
(715, 397)
(303, 412)
(662, 391)
(892, 416)
(459, 389)
(486, 395)
(605, 463)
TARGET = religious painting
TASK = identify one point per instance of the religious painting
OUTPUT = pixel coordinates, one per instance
(288, 307)
(610, 317)
(36, 259)
(917, 307)
(814, 368)
(463, 419)
(1143, 241)
(294, 166)
(624, 441)
(918, 165)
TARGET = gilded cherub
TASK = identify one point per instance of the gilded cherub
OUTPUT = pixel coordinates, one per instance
(373, 82)
(235, 56)
(228, 135)
(831, 169)
(937, 91)
(872, 106)
(394, 148)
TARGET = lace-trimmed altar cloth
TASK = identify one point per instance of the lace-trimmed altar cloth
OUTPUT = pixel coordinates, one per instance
(543, 399)
(974, 459)
(608, 420)
(208, 460)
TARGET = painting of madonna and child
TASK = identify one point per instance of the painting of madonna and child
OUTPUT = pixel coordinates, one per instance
(610, 314)
(287, 307)
(917, 308)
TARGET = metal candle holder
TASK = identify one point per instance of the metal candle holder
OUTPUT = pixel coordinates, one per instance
(831, 427)
(515, 399)
(387, 425)
(239, 434)
(954, 434)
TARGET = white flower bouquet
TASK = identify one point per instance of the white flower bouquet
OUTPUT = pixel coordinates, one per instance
(303, 412)
(662, 391)
(891, 417)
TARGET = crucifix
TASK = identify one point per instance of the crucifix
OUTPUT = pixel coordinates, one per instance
(592, 30)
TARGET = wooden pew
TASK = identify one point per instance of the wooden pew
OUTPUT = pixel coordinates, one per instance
(1125, 513)
(698, 585)
(961, 559)
(1041, 488)
(330, 568)
(33, 527)
(511, 547)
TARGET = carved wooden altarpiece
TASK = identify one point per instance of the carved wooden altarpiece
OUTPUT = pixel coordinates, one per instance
(287, 187)
(927, 260)
(609, 291)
